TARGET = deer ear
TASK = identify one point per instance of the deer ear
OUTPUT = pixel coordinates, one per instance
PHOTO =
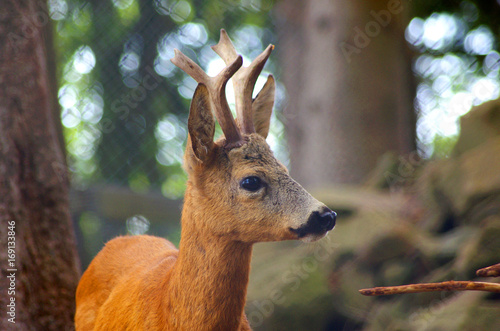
(262, 107)
(201, 124)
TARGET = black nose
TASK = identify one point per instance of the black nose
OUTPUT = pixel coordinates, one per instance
(318, 223)
(324, 220)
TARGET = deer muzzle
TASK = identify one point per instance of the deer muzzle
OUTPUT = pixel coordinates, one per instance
(318, 224)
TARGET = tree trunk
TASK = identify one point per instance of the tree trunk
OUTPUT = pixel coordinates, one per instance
(349, 83)
(39, 264)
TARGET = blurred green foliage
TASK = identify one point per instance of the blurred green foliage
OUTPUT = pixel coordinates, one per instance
(457, 63)
(124, 105)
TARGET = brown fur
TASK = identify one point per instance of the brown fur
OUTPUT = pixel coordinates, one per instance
(144, 283)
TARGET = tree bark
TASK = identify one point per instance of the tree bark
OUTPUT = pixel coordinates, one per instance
(349, 84)
(39, 264)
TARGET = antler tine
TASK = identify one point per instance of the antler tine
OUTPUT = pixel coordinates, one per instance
(217, 89)
(222, 110)
(225, 48)
(243, 81)
(190, 67)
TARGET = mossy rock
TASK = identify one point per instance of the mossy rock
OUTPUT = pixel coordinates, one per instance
(451, 188)
(482, 250)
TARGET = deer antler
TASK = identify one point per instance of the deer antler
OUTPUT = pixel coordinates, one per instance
(243, 81)
(217, 89)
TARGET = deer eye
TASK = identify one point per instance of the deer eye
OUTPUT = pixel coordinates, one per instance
(252, 183)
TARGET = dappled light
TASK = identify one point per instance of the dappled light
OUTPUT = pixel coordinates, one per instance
(179, 11)
(440, 31)
(171, 135)
(137, 225)
(84, 60)
(453, 79)
(58, 9)
(479, 41)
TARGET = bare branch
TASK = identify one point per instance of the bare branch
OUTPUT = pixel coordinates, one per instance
(491, 271)
(431, 287)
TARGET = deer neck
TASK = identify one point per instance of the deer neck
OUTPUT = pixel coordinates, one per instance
(213, 272)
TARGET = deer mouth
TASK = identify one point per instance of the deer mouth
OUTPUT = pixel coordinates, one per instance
(316, 227)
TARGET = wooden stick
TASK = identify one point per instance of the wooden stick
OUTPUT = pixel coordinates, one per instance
(491, 271)
(430, 287)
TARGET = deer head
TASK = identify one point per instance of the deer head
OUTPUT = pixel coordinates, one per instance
(237, 188)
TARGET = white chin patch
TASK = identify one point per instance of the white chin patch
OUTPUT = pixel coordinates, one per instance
(312, 237)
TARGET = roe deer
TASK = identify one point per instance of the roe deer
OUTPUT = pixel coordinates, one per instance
(237, 194)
